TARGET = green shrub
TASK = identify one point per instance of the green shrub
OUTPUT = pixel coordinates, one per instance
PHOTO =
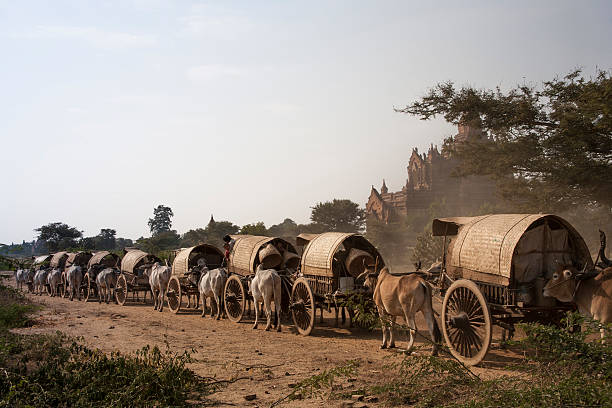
(41, 371)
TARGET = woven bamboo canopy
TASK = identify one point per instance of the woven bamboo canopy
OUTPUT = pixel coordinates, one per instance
(318, 256)
(105, 258)
(78, 258)
(42, 259)
(135, 258)
(187, 258)
(244, 256)
(59, 259)
(501, 248)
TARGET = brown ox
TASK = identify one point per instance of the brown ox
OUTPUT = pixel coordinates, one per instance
(592, 295)
(402, 296)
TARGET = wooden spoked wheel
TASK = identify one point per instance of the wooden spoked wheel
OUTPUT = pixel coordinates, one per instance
(63, 290)
(174, 295)
(234, 299)
(466, 322)
(121, 290)
(302, 306)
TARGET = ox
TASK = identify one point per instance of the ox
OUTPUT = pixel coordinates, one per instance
(212, 284)
(19, 278)
(266, 287)
(591, 294)
(40, 281)
(402, 296)
(106, 280)
(28, 278)
(74, 277)
(54, 279)
(159, 277)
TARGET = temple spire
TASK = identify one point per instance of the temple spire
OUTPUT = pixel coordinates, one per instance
(384, 189)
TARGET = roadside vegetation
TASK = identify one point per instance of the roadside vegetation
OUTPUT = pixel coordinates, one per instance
(57, 371)
(560, 367)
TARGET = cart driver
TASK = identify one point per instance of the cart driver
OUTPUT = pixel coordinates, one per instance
(228, 246)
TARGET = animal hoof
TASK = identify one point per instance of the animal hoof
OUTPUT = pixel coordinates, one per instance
(392, 346)
(382, 347)
(254, 327)
(278, 329)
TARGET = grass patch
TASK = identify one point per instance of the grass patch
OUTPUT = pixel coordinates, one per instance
(56, 371)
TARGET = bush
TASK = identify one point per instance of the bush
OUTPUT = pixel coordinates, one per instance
(42, 372)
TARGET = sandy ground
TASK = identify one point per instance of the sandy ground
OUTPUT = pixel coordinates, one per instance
(270, 362)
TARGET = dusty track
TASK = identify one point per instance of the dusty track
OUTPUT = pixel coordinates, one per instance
(225, 349)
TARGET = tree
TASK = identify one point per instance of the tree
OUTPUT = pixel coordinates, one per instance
(106, 239)
(213, 233)
(161, 220)
(339, 215)
(549, 148)
(58, 236)
(258, 228)
(287, 228)
(161, 241)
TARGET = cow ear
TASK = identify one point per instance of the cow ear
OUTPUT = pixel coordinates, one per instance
(567, 274)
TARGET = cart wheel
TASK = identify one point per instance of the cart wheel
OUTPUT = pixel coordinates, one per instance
(87, 285)
(174, 295)
(63, 291)
(466, 322)
(302, 306)
(121, 290)
(234, 299)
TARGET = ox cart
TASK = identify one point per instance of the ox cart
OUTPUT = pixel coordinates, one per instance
(99, 261)
(330, 264)
(58, 261)
(493, 272)
(248, 252)
(39, 262)
(186, 270)
(80, 259)
(134, 276)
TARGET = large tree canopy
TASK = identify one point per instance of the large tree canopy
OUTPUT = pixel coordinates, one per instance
(161, 221)
(549, 147)
(58, 236)
(339, 215)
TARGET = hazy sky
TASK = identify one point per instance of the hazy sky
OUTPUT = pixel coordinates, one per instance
(251, 110)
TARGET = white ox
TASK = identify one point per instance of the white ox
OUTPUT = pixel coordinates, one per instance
(28, 278)
(106, 280)
(266, 287)
(40, 281)
(54, 278)
(402, 296)
(19, 278)
(158, 281)
(591, 294)
(74, 277)
(212, 284)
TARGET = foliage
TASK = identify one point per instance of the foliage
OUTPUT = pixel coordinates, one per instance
(164, 240)
(287, 228)
(366, 313)
(428, 249)
(258, 228)
(315, 384)
(549, 148)
(58, 236)
(105, 240)
(14, 309)
(161, 221)
(339, 215)
(561, 368)
(40, 371)
(213, 234)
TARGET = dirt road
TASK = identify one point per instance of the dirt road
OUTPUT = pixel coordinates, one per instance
(226, 350)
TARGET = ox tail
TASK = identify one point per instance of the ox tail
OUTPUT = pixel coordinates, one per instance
(437, 335)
